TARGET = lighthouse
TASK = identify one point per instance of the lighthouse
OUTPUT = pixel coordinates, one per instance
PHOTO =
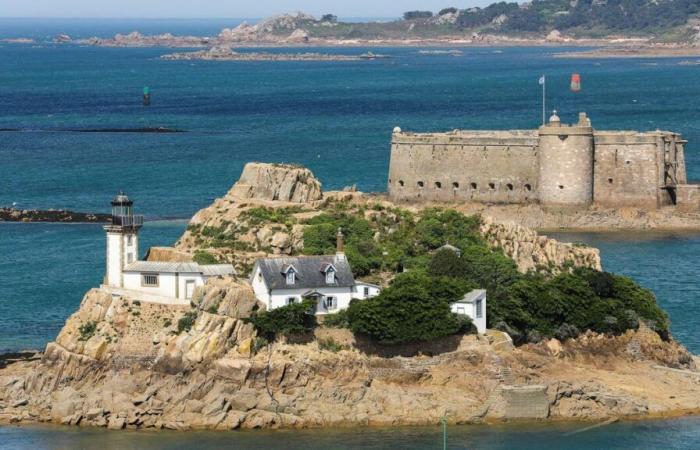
(122, 240)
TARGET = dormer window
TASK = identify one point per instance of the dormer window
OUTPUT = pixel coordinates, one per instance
(330, 275)
(290, 274)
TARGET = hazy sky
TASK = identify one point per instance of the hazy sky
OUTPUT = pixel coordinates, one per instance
(219, 8)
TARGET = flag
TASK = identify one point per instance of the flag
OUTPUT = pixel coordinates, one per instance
(542, 80)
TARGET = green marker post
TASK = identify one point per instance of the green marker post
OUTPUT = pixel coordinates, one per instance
(443, 421)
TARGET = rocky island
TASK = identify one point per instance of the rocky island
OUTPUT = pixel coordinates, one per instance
(228, 54)
(11, 214)
(566, 341)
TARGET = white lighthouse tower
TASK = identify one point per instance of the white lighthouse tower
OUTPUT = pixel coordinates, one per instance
(122, 240)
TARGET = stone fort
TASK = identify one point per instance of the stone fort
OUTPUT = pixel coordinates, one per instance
(556, 165)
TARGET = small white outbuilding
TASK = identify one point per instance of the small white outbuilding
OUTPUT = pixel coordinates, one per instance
(473, 305)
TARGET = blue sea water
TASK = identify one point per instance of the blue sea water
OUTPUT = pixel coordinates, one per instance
(335, 118)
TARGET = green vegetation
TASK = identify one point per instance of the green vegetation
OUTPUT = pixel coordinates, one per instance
(260, 215)
(186, 321)
(413, 309)
(213, 309)
(415, 15)
(167, 322)
(337, 320)
(294, 319)
(87, 330)
(204, 258)
(330, 345)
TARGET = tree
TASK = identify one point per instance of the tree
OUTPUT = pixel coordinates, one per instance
(297, 318)
(450, 10)
(329, 18)
(415, 15)
(406, 311)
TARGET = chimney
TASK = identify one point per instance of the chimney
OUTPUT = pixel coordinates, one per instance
(339, 245)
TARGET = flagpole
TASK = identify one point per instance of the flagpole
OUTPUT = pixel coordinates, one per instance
(544, 83)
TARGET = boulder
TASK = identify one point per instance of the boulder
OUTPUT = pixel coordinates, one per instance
(277, 182)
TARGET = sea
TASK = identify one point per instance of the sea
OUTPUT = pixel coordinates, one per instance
(335, 118)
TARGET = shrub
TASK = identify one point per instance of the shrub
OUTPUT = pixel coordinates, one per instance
(330, 345)
(204, 258)
(186, 321)
(413, 15)
(213, 309)
(337, 320)
(167, 323)
(259, 343)
(406, 311)
(87, 330)
(450, 10)
(297, 318)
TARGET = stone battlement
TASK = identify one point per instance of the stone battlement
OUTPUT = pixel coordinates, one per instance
(557, 164)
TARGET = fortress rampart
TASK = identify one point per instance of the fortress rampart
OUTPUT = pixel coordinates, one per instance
(564, 165)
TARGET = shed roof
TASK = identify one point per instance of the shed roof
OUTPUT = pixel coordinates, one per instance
(310, 271)
(209, 270)
(472, 296)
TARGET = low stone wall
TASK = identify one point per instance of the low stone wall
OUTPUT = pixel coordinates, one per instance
(525, 402)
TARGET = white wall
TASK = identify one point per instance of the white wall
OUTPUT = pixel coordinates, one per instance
(469, 309)
(343, 295)
(169, 284)
(260, 288)
(359, 291)
(120, 252)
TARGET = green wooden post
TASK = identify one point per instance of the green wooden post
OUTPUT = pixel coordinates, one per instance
(443, 420)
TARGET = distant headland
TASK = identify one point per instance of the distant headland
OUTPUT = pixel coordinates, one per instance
(543, 22)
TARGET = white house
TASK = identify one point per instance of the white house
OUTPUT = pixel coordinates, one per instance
(473, 305)
(171, 282)
(285, 280)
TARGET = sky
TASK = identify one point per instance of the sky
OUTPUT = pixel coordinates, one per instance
(220, 8)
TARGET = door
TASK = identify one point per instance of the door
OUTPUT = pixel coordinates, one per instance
(189, 289)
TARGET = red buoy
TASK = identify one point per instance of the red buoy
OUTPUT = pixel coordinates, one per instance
(575, 82)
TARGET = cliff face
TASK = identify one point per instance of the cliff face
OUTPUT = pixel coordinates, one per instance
(529, 250)
(135, 370)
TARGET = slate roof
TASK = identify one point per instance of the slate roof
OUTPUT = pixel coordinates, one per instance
(309, 272)
(208, 270)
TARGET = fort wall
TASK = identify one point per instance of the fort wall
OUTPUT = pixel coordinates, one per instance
(491, 167)
(555, 165)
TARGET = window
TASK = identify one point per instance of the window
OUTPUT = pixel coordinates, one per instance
(420, 184)
(460, 310)
(438, 185)
(129, 240)
(259, 276)
(528, 187)
(492, 186)
(561, 186)
(401, 183)
(290, 300)
(473, 185)
(610, 180)
(291, 276)
(365, 292)
(479, 309)
(330, 276)
(455, 185)
(149, 279)
(509, 186)
(129, 258)
(331, 303)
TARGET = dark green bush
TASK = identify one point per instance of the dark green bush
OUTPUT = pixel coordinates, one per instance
(87, 330)
(409, 310)
(186, 321)
(297, 318)
(204, 258)
(337, 320)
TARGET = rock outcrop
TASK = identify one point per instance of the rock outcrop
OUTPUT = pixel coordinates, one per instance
(153, 373)
(530, 251)
(277, 182)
